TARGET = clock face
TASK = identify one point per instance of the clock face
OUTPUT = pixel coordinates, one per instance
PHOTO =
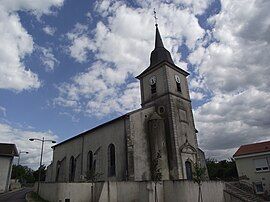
(152, 80)
(177, 78)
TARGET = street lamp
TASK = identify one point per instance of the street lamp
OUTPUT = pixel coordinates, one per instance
(19, 157)
(41, 155)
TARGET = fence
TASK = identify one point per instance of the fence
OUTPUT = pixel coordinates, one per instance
(166, 191)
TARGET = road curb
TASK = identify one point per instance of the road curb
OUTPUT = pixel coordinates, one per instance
(14, 190)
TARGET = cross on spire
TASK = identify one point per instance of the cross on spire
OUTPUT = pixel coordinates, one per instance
(155, 16)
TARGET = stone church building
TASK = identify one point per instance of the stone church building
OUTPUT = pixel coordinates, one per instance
(125, 148)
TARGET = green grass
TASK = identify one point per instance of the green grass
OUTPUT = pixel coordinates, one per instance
(34, 197)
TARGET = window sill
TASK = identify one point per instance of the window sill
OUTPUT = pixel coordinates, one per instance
(262, 171)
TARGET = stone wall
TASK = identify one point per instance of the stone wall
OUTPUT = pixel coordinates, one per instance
(166, 191)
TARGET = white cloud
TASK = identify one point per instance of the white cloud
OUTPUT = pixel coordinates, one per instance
(3, 111)
(94, 92)
(16, 43)
(196, 95)
(194, 6)
(49, 30)
(47, 58)
(38, 7)
(80, 43)
(20, 138)
(236, 69)
(230, 120)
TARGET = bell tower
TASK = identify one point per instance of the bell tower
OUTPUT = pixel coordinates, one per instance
(164, 86)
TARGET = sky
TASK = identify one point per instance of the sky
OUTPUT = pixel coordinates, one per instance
(68, 66)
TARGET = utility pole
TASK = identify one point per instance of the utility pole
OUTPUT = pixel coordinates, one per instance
(41, 156)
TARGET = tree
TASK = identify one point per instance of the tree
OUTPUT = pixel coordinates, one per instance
(42, 173)
(156, 171)
(23, 174)
(198, 177)
(92, 175)
(222, 170)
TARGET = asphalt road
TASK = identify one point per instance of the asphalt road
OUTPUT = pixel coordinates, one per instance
(15, 196)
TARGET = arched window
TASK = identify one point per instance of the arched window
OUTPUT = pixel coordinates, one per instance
(72, 167)
(188, 170)
(111, 160)
(178, 85)
(58, 165)
(154, 88)
(90, 160)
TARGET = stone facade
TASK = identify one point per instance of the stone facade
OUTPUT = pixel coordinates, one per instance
(163, 130)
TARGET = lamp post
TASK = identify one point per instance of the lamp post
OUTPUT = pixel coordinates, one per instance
(41, 155)
(19, 157)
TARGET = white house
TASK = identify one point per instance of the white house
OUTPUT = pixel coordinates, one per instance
(7, 153)
(253, 165)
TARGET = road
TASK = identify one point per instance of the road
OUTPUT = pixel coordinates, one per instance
(15, 196)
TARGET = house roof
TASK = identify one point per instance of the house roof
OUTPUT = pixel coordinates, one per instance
(253, 148)
(7, 149)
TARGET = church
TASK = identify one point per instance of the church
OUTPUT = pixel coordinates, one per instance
(161, 135)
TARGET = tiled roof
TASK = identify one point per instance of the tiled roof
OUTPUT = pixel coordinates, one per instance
(8, 149)
(253, 148)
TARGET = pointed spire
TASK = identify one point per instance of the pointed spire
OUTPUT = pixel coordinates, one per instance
(160, 53)
(158, 42)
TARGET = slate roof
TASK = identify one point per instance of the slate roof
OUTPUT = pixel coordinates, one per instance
(160, 53)
(253, 148)
(7, 149)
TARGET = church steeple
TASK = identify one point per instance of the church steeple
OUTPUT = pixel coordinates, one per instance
(160, 53)
(158, 42)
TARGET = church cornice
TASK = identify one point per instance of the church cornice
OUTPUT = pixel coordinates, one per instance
(164, 94)
(150, 69)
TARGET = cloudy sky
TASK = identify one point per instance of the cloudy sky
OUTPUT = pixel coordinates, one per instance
(67, 66)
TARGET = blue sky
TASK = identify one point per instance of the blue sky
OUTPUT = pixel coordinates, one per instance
(67, 66)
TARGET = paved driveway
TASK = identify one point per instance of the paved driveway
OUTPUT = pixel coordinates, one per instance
(15, 196)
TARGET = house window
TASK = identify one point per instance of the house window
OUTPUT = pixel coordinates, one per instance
(90, 160)
(111, 160)
(261, 164)
(178, 85)
(258, 187)
(72, 167)
(153, 88)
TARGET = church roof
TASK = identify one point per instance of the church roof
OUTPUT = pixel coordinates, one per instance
(253, 148)
(8, 149)
(97, 127)
(159, 55)
(92, 129)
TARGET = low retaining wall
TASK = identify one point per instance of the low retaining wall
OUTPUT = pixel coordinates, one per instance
(166, 191)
